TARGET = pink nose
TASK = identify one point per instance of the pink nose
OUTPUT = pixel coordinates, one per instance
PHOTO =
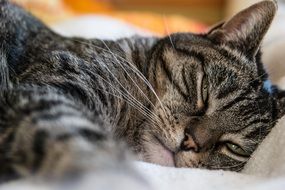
(189, 144)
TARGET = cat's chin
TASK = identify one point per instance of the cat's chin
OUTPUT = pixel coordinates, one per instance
(159, 154)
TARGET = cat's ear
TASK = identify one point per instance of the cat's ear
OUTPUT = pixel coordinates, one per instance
(246, 29)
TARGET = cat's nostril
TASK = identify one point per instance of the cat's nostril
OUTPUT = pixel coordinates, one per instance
(188, 144)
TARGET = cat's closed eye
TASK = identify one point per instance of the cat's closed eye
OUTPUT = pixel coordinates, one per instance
(204, 90)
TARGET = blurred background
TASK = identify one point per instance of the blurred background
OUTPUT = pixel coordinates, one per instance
(152, 15)
(113, 19)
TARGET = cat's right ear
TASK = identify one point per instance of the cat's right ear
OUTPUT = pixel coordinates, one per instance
(245, 30)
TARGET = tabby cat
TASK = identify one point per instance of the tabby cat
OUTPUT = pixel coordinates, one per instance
(68, 105)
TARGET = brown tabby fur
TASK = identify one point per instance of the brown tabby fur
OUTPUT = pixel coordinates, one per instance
(66, 104)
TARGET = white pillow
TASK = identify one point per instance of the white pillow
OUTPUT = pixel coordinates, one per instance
(97, 26)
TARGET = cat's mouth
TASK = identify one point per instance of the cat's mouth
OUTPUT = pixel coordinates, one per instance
(158, 153)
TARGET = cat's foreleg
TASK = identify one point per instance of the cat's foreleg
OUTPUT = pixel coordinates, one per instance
(46, 134)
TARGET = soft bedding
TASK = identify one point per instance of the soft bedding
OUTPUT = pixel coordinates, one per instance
(265, 170)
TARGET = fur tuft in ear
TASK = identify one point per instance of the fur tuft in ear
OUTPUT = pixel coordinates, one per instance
(215, 27)
(246, 29)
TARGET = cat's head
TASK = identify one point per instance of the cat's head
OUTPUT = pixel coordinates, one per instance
(218, 103)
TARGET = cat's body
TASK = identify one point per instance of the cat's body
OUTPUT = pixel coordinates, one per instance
(185, 100)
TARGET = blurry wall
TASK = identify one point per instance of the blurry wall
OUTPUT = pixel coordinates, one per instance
(208, 11)
(234, 6)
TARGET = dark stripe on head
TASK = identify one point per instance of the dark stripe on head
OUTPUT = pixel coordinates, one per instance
(198, 56)
(235, 102)
(184, 79)
(259, 133)
(258, 121)
(171, 80)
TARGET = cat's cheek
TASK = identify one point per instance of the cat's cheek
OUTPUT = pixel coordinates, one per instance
(188, 159)
(160, 155)
(157, 153)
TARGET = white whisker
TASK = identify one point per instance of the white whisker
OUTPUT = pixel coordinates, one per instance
(129, 100)
(132, 67)
(167, 31)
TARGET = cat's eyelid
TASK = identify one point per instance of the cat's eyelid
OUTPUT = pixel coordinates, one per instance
(224, 150)
(233, 138)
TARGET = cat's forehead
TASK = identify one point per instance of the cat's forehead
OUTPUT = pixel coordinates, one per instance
(226, 69)
(190, 43)
(208, 53)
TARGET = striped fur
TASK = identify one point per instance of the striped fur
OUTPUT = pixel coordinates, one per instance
(68, 104)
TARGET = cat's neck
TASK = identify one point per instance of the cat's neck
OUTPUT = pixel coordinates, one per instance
(137, 62)
(131, 70)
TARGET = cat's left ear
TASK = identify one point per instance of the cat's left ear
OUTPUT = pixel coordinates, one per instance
(246, 29)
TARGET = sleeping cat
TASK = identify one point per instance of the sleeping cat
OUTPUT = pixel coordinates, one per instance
(68, 105)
